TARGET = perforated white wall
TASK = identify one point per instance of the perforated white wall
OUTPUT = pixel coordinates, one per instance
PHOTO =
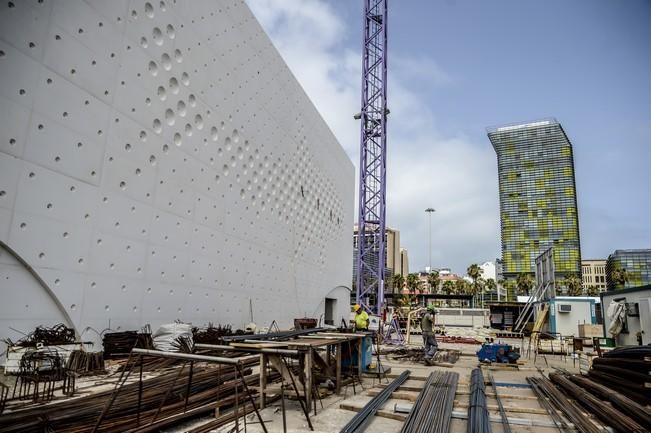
(159, 161)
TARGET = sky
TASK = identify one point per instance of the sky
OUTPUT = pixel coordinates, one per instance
(458, 67)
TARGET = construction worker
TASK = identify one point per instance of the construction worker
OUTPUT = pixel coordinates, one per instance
(429, 341)
(361, 318)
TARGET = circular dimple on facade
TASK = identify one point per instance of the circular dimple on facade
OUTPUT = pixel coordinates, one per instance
(143, 42)
(185, 79)
(153, 68)
(157, 126)
(188, 129)
(198, 121)
(236, 136)
(180, 108)
(228, 144)
(169, 117)
(192, 100)
(162, 94)
(178, 56)
(166, 61)
(214, 134)
(171, 33)
(177, 139)
(157, 36)
(174, 85)
(149, 10)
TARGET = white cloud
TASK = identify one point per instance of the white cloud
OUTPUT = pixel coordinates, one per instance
(425, 169)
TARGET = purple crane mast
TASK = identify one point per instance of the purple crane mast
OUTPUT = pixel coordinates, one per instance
(372, 166)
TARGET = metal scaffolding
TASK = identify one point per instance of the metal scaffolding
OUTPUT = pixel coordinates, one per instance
(371, 247)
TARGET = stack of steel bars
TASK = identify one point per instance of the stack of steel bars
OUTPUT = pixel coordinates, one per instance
(626, 370)
(432, 410)
(602, 410)
(478, 416)
(639, 413)
(163, 398)
(545, 389)
(362, 419)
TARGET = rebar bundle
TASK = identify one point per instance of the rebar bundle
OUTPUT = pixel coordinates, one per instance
(478, 416)
(163, 397)
(605, 412)
(119, 344)
(635, 352)
(545, 389)
(85, 363)
(362, 419)
(639, 413)
(432, 410)
(48, 336)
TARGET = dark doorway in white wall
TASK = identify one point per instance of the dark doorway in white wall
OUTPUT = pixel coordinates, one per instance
(330, 308)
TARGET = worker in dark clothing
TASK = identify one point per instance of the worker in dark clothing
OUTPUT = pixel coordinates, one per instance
(429, 341)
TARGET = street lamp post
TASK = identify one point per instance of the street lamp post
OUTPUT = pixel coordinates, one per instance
(430, 210)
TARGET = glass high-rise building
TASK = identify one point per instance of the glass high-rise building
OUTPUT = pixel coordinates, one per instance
(636, 263)
(537, 193)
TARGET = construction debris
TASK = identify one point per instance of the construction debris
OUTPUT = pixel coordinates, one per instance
(42, 335)
(119, 344)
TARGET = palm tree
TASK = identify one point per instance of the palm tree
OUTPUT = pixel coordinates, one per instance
(474, 272)
(620, 277)
(448, 287)
(510, 286)
(433, 280)
(412, 282)
(573, 284)
(524, 283)
(397, 281)
(404, 301)
(490, 286)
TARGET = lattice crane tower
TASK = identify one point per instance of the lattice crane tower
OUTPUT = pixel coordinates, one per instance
(372, 167)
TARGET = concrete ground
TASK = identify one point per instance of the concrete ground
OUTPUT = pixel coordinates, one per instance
(520, 402)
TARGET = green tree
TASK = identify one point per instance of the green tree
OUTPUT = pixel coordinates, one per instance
(524, 283)
(449, 287)
(490, 286)
(620, 277)
(474, 272)
(404, 301)
(412, 282)
(592, 291)
(397, 281)
(510, 287)
(433, 280)
(573, 284)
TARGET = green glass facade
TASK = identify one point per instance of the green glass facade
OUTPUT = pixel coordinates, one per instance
(537, 193)
(636, 263)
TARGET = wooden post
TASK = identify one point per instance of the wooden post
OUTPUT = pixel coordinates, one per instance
(360, 368)
(309, 360)
(338, 367)
(263, 380)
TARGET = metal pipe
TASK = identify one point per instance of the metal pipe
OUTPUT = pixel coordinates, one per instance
(362, 419)
(187, 356)
(269, 350)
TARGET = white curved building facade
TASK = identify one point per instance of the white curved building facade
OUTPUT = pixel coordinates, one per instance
(159, 161)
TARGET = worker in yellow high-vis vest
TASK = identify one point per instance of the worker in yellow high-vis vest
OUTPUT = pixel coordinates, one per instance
(361, 318)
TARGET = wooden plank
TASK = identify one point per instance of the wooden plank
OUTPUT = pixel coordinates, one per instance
(338, 367)
(398, 395)
(530, 410)
(382, 413)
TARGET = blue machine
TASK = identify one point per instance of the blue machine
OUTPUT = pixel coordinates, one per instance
(367, 354)
(497, 352)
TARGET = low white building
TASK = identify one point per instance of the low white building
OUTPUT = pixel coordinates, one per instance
(637, 315)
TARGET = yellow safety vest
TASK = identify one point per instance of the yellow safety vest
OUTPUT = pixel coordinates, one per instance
(361, 320)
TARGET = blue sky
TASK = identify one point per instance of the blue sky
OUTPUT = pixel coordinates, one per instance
(457, 67)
